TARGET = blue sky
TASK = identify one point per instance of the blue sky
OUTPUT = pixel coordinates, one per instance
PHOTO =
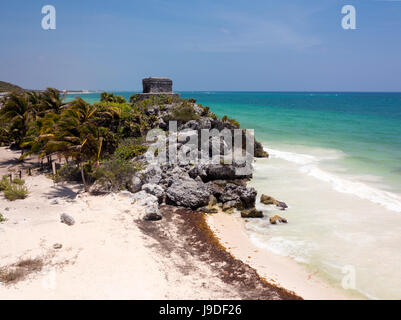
(281, 45)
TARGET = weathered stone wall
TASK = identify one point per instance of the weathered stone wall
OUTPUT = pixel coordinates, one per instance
(157, 85)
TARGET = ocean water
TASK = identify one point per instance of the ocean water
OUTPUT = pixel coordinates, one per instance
(335, 159)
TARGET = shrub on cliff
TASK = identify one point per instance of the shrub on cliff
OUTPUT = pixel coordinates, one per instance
(183, 113)
(129, 149)
(115, 173)
(234, 122)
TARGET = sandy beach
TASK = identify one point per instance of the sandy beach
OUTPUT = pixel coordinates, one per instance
(109, 253)
(278, 270)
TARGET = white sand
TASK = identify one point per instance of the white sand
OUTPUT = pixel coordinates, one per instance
(104, 255)
(278, 270)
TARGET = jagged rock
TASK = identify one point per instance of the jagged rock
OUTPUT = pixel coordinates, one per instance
(212, 200)
(251, 213)
(152, 174)
(143, 198)
(282, 205)
(188, 193)
(196, 171)
(277, 219)
(100, 188)
(136, 185)
(155, 190)
(268, 200)
(215, 189)
(246, 196)
(68, 220)
(208, 209)
(226, 172)
(259, 152)
(152, 213)
(150, 203)
(230, 205)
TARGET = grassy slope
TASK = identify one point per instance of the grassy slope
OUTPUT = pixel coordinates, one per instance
(8, 87)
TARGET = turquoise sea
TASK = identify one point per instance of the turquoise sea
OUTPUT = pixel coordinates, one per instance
(335, 159)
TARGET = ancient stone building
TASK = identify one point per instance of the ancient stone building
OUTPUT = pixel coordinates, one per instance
(156, 86)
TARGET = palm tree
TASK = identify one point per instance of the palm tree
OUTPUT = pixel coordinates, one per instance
(17, 112)
(76, 135)
(52, 100)
(36, 105)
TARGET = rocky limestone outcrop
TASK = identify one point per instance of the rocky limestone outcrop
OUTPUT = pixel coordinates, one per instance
(251, 213)
(268, 200)
(150, 203)
(243, 196)
(155, 190)
(188, 193)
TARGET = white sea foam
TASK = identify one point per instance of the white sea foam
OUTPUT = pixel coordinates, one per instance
(309, 166)
(297, 250)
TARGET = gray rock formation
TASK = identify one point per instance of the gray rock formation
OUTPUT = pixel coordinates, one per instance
(188, 193)
(155, 190)
(150, 203)
(246, 197)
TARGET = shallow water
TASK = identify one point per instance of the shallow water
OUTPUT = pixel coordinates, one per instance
(335, 159)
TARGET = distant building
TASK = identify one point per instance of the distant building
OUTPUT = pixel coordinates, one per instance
(156, 86)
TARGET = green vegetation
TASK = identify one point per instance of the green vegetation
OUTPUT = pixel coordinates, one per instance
(183, 113)
(97, 141)
(234, 122)
(129, 149)
(2, 219)
(15, 192)
(8, 87)
(116, 173)
(110, 97)
(4, 183)
(19, 181)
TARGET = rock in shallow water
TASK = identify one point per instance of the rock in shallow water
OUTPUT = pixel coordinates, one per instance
(251, 213)
(270, 200)
(267, 200)
(277, 220)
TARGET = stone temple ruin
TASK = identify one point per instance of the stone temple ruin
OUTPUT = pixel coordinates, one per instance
(157, 86)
